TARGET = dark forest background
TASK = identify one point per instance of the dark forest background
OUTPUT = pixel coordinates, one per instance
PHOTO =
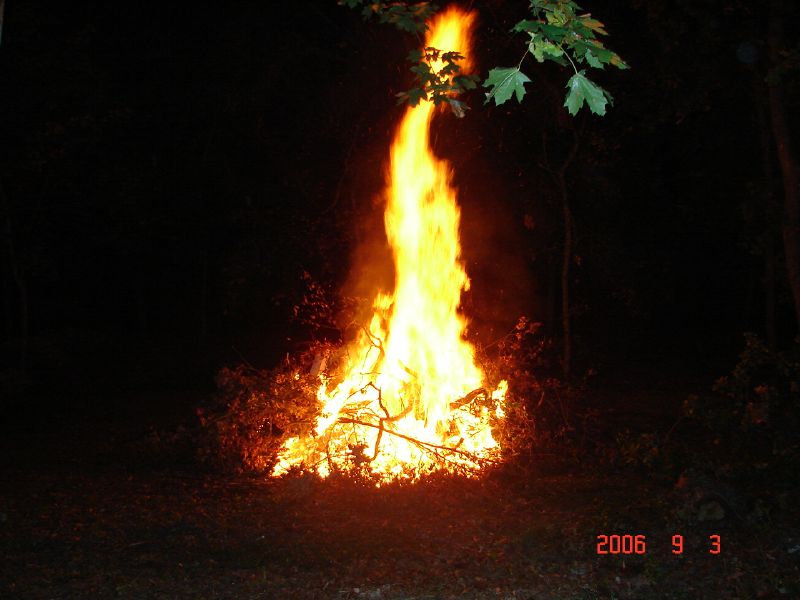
(170, 171)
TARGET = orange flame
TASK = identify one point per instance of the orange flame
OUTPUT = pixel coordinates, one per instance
(402, 402)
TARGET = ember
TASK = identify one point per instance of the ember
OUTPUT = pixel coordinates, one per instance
(407, 397)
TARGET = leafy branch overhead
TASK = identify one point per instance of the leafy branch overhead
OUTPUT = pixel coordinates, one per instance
(409, 17)
(556, 31)
(441, 85)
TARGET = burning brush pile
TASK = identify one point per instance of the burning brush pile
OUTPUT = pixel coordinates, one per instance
(407, 396)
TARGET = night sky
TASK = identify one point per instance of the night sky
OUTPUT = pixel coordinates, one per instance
(170, 171)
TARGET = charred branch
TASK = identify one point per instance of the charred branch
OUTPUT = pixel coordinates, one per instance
(434, 449)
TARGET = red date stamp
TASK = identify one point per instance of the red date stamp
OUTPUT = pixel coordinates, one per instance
(637, 544)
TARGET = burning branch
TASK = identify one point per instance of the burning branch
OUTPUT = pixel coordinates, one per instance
(468, 399)
(430, 447)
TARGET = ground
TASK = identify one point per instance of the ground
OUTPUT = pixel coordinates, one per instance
(106, 508)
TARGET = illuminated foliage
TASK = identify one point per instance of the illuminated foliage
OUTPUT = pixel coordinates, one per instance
(556, 31)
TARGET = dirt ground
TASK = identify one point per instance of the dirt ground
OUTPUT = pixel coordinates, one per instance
(89, 510)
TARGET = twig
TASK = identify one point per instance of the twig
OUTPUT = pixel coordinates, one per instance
(380, 421)
(244, 360)
(380, 398)
(469, 398)
(425, 445)
(541, 399)
(375, 341)
(671, 429)
(388, 418)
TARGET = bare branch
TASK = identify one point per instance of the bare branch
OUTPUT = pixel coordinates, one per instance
(419, 443)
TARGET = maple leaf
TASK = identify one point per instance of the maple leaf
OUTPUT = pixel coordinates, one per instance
(583, 89)
(505, 83)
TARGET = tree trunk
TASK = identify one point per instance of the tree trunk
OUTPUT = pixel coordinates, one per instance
(560, 179)
(786, 160)
(551, 314)
(140, 293)
(769, 296)
(203, 299)
(2, 10)
(20, 284)
(566, 259)
(771, 212)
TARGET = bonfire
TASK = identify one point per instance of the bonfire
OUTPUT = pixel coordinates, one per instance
(406, 396)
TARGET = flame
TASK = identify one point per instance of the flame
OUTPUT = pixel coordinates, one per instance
(408, 395)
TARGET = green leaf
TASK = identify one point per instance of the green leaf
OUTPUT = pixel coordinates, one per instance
(465, 82)
(581, 88)
(603, 54)
(423, 73)
(421, 68)
(405, 18)
(415, 55)
(415, 95)
(406, 23)
(529, 26)
(593, 24)
(505, 83)
(618, 62)
(551, 50)
(593, 60)
(449, 69)
(536, 49)
(452, 56)
(412, 96)
(582, 49)
(542, 49)
(556, 16)
(554, 32)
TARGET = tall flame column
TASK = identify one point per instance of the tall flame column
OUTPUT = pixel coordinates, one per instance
(402, 376)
